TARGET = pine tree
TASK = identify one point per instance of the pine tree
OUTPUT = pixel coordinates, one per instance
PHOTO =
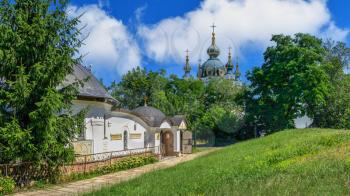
(38, 48)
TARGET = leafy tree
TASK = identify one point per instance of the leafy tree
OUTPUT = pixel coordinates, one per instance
(38, 42)
(222, 122)
(223, 92)
(189, 97)
(290, 83)
(223, 115)
(210, 109)
(136, 85)
(336, 112)
(184, 95)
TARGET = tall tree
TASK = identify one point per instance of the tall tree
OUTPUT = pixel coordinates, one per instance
(209, 108)
(136, 85)
(336, 112)
(223, 115)
(184, 97)
(291, 82)
(38, 42)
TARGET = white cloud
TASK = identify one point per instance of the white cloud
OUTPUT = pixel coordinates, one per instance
(109, 47)
(335, 33)
(139, 13)
(240, 23)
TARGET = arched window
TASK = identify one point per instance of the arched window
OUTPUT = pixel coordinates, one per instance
(125, 139)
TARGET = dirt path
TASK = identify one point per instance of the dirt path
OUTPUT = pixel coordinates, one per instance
(83, 186)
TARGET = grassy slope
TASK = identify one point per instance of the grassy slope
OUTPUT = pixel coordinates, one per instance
(312, 162)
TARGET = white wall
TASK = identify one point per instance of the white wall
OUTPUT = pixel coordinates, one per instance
(114, 125)
(117, 126)
(94, 124)
(178, 141)
(117, 123)
(176, 138)
(165, 125)
(157, 141)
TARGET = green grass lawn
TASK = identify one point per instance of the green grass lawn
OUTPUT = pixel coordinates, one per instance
(292, 162)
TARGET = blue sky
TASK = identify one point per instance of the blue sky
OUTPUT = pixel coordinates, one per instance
(154, 34)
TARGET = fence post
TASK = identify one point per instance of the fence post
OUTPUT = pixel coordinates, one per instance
(84, 164)
(110, 159)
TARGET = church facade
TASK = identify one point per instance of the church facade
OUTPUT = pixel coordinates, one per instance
(108, 129)
(213, 67)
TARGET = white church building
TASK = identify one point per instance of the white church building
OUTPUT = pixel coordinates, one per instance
(109, 130)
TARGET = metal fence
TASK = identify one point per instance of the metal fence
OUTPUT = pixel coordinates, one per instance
(25, 172)
(98, 157)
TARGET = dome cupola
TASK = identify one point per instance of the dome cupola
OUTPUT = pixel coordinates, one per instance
(152, 116)
(213, 51)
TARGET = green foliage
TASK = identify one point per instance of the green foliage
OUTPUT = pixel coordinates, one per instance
(123, 164)
(38, 42)
(181, 97)
(128, 163)
(220, 120)
(137, 85)
(336, 112)
(291, 83)
(208, 108)
(7, 185)
(291, 162)
(223, 92)
(223, 111)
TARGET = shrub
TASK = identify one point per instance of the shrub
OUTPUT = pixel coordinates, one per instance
(123, 164)
(7, 185)
(128, 163)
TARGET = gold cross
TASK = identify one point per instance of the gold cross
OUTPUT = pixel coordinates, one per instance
(213, 26)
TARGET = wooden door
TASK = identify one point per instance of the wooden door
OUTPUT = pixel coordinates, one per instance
(168, 142)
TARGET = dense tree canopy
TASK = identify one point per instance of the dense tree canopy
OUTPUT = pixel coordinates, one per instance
(182, 97)
(336, 112)
(301, 75)
(136, 85)
(291, 83)
(209, 108)
(38, 43)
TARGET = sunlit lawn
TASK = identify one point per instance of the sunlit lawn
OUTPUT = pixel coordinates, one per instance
(292, 162)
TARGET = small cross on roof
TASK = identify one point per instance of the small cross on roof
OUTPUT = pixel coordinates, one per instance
(213, 26)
